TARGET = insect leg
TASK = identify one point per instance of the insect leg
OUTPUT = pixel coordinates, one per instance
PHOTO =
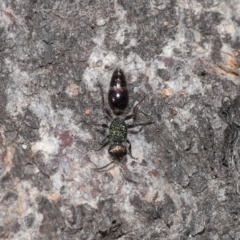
(135, 110)
(101, 168)
(95, 125)
(99, 124)
(130, 149)
(139, 124)
(126, 174)
(103, 144)
(104, 107)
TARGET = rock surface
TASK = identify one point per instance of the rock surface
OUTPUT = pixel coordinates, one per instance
(183, 55)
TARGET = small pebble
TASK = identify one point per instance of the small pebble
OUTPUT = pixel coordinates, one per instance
(165, 23)
(24, 146)
(100, 22)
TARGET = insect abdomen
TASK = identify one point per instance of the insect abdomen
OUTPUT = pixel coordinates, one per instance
(118, 93)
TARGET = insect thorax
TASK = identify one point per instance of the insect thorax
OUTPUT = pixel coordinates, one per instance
(118, 130)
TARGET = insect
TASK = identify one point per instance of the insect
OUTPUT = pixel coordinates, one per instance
(118, 101)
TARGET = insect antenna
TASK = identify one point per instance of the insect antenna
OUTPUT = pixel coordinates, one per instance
(101, 168)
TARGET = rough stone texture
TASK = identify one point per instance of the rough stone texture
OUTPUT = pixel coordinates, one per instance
(184, 55)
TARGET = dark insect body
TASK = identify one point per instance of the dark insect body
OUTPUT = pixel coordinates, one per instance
(118, 92)
(118, 101)
(118, 130)
(117, 136)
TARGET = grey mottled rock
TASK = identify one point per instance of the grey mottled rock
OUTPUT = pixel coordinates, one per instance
(183, 55)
